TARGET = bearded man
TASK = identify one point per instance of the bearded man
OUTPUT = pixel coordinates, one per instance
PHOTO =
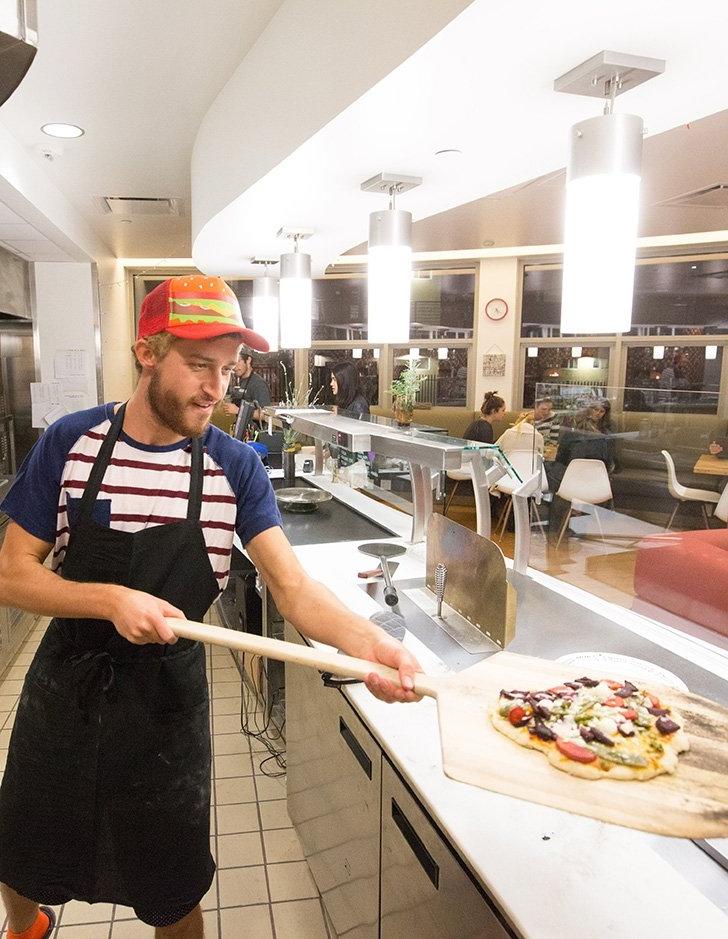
(106, 793)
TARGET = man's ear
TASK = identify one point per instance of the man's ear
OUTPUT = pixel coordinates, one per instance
(145, 356)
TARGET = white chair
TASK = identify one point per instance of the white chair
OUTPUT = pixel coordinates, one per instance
(685, 494)
(525, 463)
(584, 481)
(458, 475)
(721, 509)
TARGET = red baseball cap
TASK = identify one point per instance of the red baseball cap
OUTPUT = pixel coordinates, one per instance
(195, 306)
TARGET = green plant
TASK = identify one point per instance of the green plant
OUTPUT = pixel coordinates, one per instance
(295, 398)
(407, 385)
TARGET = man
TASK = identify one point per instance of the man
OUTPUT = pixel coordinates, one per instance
(245, 385)
(543, 419)
(106, 793)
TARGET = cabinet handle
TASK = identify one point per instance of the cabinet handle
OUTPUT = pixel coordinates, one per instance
(428, 863)
(356, 748)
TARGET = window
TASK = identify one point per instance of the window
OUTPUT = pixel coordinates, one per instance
(576, 366)
(671, 297)
(673, 378)
(442, 306)
(445, 373)
(321, 361)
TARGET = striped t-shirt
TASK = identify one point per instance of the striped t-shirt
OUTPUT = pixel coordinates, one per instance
(143, 486)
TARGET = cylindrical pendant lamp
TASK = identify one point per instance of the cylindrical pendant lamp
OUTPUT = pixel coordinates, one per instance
(294, 298)
(389, 275)
(600, 235)
(265, 310)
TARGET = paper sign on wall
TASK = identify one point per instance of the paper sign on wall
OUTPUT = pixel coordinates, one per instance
(70, 369)
(46, 399)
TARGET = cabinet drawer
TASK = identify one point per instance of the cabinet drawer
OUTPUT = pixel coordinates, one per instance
(425, 892)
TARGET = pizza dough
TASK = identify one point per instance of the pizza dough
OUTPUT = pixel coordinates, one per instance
(595, 729)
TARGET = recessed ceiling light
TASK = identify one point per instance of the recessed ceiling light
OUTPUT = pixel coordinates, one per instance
(63, 130)
(448, 152)
(488, 243)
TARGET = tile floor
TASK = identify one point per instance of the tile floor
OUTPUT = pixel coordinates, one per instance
(263, 888)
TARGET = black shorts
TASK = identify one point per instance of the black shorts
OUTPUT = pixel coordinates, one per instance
(166, 917)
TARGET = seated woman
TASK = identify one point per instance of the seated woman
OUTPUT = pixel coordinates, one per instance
(347, 390)
(522, 436)
(493, 409)
(583, 441)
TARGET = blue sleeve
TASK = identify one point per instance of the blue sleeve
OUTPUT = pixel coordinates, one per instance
(257, 506)
(32, 501)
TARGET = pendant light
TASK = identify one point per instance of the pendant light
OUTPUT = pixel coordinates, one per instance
(265, 305)
(294, 293)
(389, 266)
(602, 197)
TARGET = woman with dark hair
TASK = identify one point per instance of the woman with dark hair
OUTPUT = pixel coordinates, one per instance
(493, 409)
(347, 390)
(600, 413)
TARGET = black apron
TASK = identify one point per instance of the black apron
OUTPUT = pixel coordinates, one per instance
(106, 794)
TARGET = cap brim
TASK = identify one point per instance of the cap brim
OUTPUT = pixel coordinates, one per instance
(212, 330)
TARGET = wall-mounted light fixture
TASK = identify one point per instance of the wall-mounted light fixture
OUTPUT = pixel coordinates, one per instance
(294, 292)
(711, 352)
(389, 267)
(265, 304)
(356, 353)
(576, 352)
(602, 197)
(442, 353)
(532, 352)
(658, 352)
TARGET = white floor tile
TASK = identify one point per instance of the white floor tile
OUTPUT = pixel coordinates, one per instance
(299, 919)
(252, 921)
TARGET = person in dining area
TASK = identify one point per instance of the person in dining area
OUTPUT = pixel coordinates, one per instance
(346, 388)
(492, 409)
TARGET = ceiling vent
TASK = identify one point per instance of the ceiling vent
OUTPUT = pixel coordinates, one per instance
(138, 205)
(709, 197)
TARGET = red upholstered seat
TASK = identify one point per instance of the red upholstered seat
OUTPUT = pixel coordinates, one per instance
(686, 573)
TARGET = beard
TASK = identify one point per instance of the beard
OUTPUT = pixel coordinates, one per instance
(173, 412)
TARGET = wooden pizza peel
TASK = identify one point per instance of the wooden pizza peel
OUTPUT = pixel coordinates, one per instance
(691, 803)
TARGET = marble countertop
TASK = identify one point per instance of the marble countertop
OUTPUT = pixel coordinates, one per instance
(551, 873)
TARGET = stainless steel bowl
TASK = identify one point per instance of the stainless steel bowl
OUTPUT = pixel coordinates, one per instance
(301, 500)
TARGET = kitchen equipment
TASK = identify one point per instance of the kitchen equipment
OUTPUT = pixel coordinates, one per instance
(377, 571)
(480, 611)
(302, 499)
(691, 803)
(608, 662)
(440, 579)
(383, 550)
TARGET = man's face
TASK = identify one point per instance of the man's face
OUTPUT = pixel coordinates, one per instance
(188, 383)
(542, 411)
(243, 367)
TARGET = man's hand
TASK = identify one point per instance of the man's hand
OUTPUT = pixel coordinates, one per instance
(388, 651)
(139, 617)
(715, 448)
(230, 408)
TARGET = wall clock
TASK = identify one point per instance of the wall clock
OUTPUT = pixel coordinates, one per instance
(496, 309)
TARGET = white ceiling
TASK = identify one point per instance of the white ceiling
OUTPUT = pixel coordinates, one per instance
(138, 76)
(483, 84)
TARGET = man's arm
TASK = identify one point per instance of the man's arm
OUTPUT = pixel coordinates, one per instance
(26, 584)
(313, 609)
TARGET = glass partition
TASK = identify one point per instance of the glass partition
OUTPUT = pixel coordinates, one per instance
(321, 361)
(635, 499)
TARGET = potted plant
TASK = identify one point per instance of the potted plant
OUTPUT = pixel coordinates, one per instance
(404, 391)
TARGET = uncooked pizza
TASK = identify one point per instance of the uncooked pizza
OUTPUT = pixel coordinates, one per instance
(596, 729)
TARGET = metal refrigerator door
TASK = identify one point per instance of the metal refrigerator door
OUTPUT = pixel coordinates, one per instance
(334, 787)
(425, 891)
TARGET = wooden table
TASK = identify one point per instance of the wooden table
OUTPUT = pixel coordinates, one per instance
(711, 465)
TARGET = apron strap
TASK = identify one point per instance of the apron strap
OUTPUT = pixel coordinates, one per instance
(96, 476)
(194, 500)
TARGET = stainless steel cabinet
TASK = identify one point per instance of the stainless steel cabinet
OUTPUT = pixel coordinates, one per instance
(424, 890)
(334, 790)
